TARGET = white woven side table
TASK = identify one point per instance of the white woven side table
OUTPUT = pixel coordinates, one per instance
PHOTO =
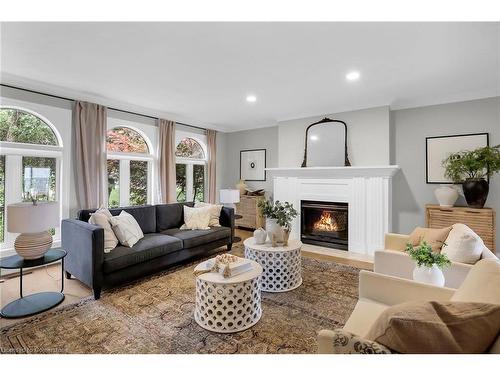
(282, 265)
(227, 305)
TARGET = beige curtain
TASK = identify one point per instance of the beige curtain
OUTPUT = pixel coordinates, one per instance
(166, 165)
(89, 126)
(212, 157)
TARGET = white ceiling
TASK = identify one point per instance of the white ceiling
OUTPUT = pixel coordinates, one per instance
(201, 72)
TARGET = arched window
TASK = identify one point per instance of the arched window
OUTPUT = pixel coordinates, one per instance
(30, 148)
(190, 168)
(129, 167)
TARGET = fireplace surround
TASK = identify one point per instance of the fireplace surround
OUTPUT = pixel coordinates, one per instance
(324, 223)
(366, 190)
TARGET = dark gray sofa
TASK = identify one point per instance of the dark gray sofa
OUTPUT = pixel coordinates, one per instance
(163, 245)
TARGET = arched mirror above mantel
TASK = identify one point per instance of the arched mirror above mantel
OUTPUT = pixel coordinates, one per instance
(326, 144)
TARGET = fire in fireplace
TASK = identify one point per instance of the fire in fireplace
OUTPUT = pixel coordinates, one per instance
(324, 224)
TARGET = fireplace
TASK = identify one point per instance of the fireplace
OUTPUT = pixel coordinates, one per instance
(324, 223)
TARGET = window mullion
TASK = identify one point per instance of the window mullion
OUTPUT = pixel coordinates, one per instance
(124, 182)
(189, 183)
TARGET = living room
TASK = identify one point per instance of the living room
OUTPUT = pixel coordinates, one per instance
(250, 188)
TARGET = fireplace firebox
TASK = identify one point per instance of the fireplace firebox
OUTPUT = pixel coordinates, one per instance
(324, 224)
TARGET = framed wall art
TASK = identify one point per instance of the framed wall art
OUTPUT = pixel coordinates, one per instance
(253, 165)
(438, 148)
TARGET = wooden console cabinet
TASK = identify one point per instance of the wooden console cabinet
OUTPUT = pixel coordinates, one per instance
(480, 220)
(248, 208)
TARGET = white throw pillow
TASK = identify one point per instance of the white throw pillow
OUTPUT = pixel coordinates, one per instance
(126, 229)
(101, 217)
(215, 210)
(196, 218)
(463, 245)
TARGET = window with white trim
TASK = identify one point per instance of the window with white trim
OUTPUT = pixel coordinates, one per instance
(30, 163)
(130, 164)
(191, 159)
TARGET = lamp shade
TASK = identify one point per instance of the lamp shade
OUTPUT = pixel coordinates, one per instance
(26, 217)
(229, 196)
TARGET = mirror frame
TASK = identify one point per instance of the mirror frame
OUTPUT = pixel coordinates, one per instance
(347, 163)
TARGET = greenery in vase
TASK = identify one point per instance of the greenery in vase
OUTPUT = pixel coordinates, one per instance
(424, 256)
(472, 165)
(283, 213)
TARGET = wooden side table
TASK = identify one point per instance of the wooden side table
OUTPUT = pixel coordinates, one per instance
(38, 302)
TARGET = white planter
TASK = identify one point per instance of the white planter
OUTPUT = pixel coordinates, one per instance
(429, 275)
(260, 236)
(272, 227)
(446, 195)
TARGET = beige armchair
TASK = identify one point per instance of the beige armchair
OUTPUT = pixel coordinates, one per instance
(394, 261)
(377, 292)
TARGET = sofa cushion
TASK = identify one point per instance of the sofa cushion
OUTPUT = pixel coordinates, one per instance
(193, 238)
(434, 237)
(145, 216)
(365, 313)
(463, 245)
(481, 284)
(170, 215)
(437, 327)
(153, 245)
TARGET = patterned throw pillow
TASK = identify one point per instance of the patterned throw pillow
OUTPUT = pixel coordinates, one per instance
(101, 217)
(215, 210)
(126, 229)
(196, 218)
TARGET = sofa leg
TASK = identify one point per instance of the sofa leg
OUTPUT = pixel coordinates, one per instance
(97, 293)
(68, 275)
(229, 246)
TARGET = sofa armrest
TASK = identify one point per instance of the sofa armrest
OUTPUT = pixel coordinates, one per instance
(395, 241)
(84, 244)
(390, 290)
(339, 341)
(226, 219)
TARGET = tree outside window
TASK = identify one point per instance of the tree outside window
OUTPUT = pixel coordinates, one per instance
(190, 170)
(34, 168)
(129, 164)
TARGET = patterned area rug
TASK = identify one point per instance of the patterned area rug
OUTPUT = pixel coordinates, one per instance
(155, 315)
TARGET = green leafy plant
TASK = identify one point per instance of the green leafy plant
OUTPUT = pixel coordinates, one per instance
(424, 256)
(472, 165)
(284, 212)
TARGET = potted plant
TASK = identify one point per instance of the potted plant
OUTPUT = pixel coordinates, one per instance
(429, 264)
(279, 218)
(471, 168)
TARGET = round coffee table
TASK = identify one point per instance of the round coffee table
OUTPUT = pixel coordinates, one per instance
(227, 305)
(282, 264)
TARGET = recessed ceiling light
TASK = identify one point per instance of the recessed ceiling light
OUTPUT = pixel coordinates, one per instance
(251, 98)
(353, 76)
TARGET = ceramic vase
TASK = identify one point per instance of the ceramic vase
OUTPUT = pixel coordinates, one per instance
(429, 275)
(476, 192)
(260, 236)
(274, 231)
(446, 195)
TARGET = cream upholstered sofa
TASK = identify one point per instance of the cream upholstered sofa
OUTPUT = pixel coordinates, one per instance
(395, 262)
(378, 292)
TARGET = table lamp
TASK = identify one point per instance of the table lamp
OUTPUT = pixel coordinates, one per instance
(228, 197)
(33, 221)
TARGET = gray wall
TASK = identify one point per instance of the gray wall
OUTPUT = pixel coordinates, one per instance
(411, 126)
(245, 140)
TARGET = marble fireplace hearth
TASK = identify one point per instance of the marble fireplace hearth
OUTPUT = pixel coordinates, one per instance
(367, 191)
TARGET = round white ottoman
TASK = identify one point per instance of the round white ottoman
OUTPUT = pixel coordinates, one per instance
(282, 265)
(227, 305)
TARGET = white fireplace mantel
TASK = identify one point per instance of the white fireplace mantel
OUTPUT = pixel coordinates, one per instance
(366, 190)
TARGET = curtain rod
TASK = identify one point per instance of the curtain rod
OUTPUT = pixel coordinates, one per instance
(110, 108)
